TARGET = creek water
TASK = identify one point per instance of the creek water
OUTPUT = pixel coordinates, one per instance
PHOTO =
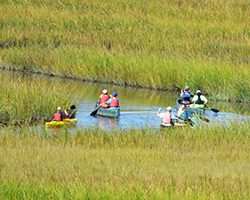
(138, 106)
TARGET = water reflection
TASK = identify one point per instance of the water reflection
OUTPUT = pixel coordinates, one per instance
(138, 106)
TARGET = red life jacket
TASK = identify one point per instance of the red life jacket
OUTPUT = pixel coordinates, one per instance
(104, 98)
(58, 116)
(114, 102)
(166, 118)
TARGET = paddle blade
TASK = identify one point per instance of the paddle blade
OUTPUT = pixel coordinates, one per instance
(214, 110)
(95, 111)
(205, 119)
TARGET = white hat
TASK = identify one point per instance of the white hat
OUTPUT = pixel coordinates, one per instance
(198, 92)
(105, 92)
(169, 108)
(59, 108)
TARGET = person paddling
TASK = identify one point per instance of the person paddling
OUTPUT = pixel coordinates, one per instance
(199, 100)
(185, 95)
(113, 101)
(166, 117)
(183, 114)
(103, 98)
(72, 112)
(59, 116)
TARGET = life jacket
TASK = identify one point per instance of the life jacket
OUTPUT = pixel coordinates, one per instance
(58, 116)
(114, 102)
(104, 98)
(199, 101)
(166, 118)
(186, 98)
(184, 115)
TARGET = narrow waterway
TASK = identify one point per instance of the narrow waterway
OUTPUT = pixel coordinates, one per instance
(138, 106)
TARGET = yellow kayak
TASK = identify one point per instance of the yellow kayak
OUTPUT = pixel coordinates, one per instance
(65, 123)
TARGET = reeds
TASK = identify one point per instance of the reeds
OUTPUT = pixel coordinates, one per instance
(171, 164)
(147, 44)
(25, 101)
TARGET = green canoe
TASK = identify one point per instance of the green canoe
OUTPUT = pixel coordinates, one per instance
(191, 110)
(105, 112)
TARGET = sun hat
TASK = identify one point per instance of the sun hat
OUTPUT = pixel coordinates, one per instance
(169, 108)
(187, 88)
(114, 94)
(198, 92)
(105, 92)
(59, 108)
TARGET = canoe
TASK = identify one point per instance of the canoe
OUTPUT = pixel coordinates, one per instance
(105, 112)
(191, 110)
(65, 123)
(179, 124)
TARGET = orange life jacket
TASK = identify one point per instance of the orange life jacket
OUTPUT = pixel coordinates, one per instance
(104, 98)
(58, 116)
(166, 118)
(114, 102)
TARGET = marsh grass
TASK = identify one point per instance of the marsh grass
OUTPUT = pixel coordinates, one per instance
(140, 43)
(25, 101)
(170, 164)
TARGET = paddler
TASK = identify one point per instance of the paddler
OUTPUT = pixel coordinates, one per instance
(113, 101)
(166, 117)
(103, 98)
(183, 114)
(59, 116)
(199, 100)
(185, 95)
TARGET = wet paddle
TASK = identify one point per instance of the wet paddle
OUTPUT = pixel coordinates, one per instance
(205, 119)
(93, 113)
(214, 110)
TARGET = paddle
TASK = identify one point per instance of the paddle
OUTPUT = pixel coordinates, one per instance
(181, 89)
(212, 109)
(93, 113)
(205, 119)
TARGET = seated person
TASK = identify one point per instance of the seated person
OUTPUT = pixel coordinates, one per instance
(72, 112)
(166, 117)
(113, 102)
(199, 100)
(183, 114)
(103, 98)
(185, 95)
(59, 116)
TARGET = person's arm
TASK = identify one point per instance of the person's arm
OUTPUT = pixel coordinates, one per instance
(181, 93)
(108, 101)
(189, 115)
(65, 114)
(158, 113)
(205, 100)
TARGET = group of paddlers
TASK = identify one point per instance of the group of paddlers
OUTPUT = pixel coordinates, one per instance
(110, 102)
(198, 100)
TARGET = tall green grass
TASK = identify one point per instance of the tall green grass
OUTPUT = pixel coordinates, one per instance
(152, 44)
(25, 100)
(137, 164)
(221, 79)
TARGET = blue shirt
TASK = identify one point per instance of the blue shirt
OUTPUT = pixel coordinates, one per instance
(108, 102)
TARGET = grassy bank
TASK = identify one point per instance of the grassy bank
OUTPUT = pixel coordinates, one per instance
(190, 164)
(140, 43)
(25, 101)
